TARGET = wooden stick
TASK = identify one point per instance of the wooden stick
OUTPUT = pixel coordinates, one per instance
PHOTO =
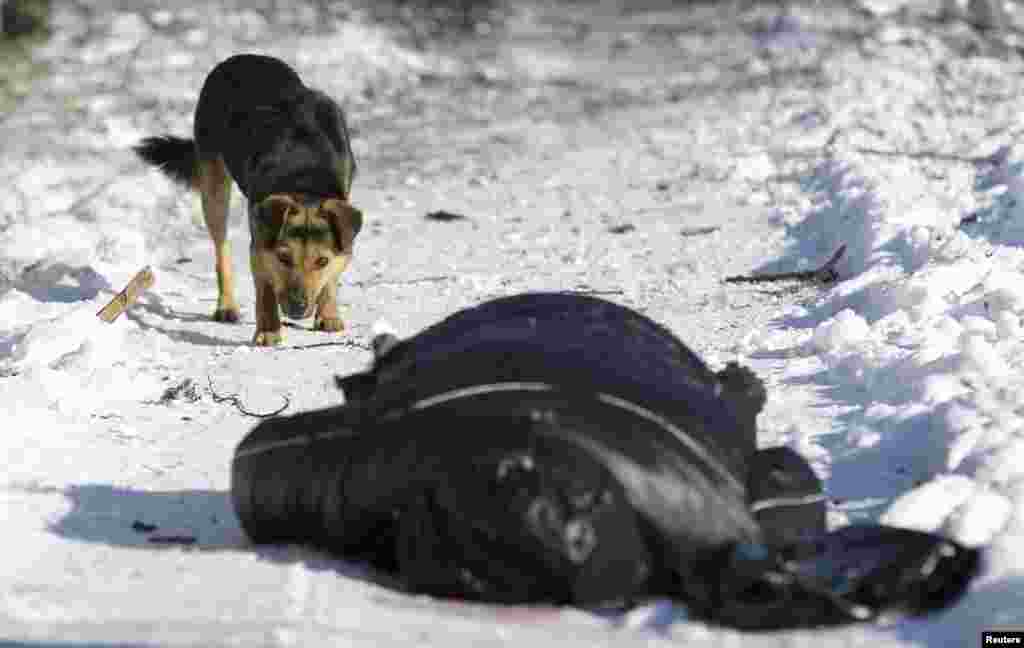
(825, 274)
(122, 300)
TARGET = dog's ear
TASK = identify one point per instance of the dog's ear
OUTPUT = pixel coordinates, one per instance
(345, 220)
(271, 214)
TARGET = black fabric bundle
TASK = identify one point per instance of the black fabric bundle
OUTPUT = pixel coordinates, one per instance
(558, 448)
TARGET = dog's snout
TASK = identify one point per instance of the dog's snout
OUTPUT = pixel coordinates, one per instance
(296, 306)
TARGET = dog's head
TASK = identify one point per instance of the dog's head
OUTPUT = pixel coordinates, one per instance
(303, 245)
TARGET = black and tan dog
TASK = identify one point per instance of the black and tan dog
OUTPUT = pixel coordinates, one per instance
(287, 147)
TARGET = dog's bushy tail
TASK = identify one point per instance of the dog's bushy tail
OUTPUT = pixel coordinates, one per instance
(175, 156)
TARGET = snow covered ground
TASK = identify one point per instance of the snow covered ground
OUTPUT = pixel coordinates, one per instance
(642, 156)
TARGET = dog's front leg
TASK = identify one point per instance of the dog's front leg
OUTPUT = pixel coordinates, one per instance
(268, 320)
(268, 317)
(327, 318)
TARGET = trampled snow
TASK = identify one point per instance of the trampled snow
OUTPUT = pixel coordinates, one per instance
(731, 143)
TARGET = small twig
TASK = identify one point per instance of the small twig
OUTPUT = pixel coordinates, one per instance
(825, 274)
(928, 155)
(174, 539)
(700, 230)
(403, 282)
(345, 343)
(352, 344)
(833, 138)
(830, 144)
(596, 291)
(237, 402)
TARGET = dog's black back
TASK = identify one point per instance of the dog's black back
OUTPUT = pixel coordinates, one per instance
(275, 134)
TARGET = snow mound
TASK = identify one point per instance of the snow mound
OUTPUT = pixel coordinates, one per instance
(921, 341)
(846, 328)
(74, 338)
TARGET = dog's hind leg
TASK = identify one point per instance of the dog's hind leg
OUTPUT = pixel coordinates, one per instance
(215, 189)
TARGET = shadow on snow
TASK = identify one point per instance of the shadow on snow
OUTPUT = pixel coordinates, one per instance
(111, 515)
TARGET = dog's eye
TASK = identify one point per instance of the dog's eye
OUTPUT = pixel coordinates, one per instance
(322, 262)
(285, 259)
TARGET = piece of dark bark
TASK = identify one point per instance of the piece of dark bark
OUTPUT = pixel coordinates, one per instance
(143, 527)
(444, 216)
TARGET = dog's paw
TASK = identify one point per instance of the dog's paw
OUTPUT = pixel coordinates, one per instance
(267, 338)
(329, 324)
(229, 315)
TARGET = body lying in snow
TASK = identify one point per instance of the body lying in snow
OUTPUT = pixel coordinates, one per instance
(556, 448)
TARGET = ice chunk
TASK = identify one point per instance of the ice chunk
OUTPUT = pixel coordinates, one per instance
(846, 328)
(926, 508)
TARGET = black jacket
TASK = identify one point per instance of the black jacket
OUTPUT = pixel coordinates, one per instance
(562, 449)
